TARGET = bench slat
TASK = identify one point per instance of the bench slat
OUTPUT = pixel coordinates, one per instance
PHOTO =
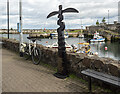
(101, 76)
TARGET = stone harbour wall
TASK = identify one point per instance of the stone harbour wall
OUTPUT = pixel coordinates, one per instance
(77, 62)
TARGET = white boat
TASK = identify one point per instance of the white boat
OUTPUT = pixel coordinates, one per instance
(55, 45)
(97, 38)
(55, 35)
(81, 36)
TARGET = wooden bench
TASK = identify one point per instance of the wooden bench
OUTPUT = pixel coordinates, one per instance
(101, 76)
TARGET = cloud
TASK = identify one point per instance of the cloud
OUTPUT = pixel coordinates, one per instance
(34, 13)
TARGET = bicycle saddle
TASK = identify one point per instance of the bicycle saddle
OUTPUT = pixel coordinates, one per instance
(34, 38)
(31, 38)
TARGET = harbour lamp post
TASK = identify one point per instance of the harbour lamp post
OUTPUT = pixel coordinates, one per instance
(20, 28)
(108, 17)
(63, 72)
(8, 16)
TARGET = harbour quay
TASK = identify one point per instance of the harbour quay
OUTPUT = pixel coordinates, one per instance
(77, 62)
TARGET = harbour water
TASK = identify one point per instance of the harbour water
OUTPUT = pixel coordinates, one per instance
(113, 49)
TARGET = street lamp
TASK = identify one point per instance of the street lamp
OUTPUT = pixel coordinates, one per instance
(20, 28)
(108, 16)
(8, 16)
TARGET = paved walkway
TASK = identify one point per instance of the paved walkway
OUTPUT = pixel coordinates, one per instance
(20, 75)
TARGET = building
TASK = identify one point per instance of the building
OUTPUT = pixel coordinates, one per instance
(114, 27)
(119, 12)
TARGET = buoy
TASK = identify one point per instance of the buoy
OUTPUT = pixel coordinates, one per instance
(96, 53)
(106, 48)
(46, 41)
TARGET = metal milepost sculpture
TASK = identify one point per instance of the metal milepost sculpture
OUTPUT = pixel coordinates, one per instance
(63, 72)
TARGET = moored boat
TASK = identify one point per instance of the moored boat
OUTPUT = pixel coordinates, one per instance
(55, 35)
(97, 38)
(55, 45)
(83, 48)
(81, 36)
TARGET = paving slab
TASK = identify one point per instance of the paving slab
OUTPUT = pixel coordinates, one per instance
(20, 75)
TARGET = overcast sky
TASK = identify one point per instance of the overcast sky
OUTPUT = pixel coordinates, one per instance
(34, 13)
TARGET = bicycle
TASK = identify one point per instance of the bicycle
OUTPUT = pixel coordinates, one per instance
(31, 50)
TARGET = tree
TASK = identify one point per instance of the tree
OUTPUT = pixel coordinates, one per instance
(97, 23)
(103, 20)
(11, 28)
(62, 65)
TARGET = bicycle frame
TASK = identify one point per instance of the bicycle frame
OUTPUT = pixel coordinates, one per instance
(32, 51)
(34, 46)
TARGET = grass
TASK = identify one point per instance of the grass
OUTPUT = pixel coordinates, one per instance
(73, 76)
(111, 32)
(49, 66)
(74, 31)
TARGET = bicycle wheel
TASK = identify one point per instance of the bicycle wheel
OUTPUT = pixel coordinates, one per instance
(36, 56)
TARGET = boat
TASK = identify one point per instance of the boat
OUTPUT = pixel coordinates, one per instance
(81, 36)
(68, 46)
(83, 48)
(55, 35)
(97, 38)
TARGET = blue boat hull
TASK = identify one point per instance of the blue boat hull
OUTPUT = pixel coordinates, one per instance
(97, 40)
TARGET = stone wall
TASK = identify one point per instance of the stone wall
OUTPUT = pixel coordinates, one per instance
(109, 35)
(77, 62)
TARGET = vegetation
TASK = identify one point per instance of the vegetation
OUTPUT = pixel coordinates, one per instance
(73, 76)
(112, 33)
(48, 66)
(97, 23)
(11, 28)
(74, 31)
(103, 20)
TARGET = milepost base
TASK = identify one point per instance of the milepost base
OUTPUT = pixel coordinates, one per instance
(61, 76)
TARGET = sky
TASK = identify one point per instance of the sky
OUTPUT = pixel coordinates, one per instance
(34, 13)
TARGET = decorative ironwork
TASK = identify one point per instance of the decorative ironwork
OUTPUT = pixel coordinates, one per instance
(61, 41)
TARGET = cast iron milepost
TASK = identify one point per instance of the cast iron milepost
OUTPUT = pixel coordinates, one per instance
(61, 41)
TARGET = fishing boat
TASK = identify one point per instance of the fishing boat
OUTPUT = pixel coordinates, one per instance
(68, 46)
(55, 35)
(97, 38)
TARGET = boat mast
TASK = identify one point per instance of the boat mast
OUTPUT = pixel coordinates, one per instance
(81, 25)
